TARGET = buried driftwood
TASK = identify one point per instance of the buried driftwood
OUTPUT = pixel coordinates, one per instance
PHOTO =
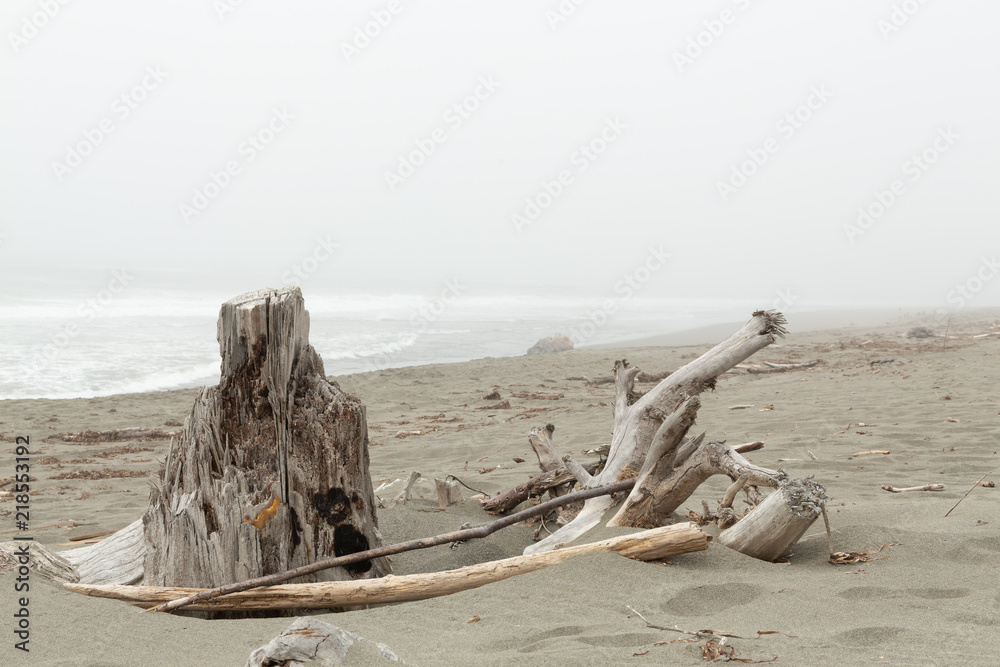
(404, 493)
(772, 527)
(412, 545)
(35, 555)
(448, 492)
(638, 418)
(310, 641)
(645, 545)
(117, 559)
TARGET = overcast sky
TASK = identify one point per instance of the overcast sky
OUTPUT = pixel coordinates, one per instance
(739, 137)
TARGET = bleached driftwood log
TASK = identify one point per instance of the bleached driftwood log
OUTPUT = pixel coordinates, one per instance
(117, 559)
(637, 418)
(271, 471)
(44, 561)
(462, 534)
(645, 545)
(404, 493)
(548, 460)
(772, 527)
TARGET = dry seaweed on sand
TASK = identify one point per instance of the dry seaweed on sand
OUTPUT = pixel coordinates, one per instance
(716, 647)
(106, 473)
(854, 557)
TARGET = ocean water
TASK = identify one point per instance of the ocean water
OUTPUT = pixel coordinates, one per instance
(76, 346)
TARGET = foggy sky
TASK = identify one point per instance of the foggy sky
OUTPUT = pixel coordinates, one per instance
(199, 81)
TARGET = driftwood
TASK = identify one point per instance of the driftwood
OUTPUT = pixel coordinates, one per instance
(117, 559)
(645, 545)
(448, 492)
(43, 560)
(772, 527)
(656, 498)
(412, 545)
(404, 493)
(548, 460)
(638, 418)
(534, 487)
(925, 487)
(780, 368)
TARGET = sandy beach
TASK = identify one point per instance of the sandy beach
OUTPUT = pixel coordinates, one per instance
(932, 599)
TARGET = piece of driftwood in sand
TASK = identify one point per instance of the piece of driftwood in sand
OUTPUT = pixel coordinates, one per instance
(672, 472)
(663, 486)
(534, 487)
(780, 368)
(404, 493)
(541, 443)
(925, 487)
(117, 559)
(114, 560)
(448, 492)
(645, 545)
(638, 418)
(771, 528)
(271, 471)
(45, 562)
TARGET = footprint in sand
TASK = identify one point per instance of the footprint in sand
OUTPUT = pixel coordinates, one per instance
(711, 599)
(869, 593)
(873, 636)
(939, 593)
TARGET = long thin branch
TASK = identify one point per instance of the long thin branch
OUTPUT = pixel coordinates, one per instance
(422, 543)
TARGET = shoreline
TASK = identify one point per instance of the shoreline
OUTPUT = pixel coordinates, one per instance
(798, 322)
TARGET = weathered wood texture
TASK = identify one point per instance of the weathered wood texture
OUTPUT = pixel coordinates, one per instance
(448, 492)
(646, 545)
(117, 559)
(638, 418)
(660, 497)
(47, 563)
(772, 527)
(271, 472)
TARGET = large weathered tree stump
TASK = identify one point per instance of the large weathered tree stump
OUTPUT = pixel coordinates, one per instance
(271, 471)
